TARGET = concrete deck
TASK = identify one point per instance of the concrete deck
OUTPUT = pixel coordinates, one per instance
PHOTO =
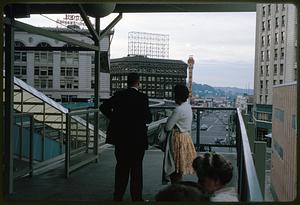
(94, 182)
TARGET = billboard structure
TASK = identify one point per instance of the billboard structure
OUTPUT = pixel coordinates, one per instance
(148, 44)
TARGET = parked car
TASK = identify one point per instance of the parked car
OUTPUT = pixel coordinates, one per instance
(203, 127)
(220, 140)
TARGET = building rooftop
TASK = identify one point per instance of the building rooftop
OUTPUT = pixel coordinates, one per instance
(140, 58)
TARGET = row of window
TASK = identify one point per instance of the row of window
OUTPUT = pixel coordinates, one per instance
(266, 10)
(43, 57)
(20, 56)
(143, 86)
(43, 70)
(275, 82)
(20, 70)
(264, 116)
(43, 83)
(276, 35)
(69, 71)
(267, 55)
(69, 84)
(266, 71)
(47, 57)
(149, 79)
(268, 22)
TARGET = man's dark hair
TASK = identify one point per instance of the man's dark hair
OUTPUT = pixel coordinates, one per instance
(181, 93)
(181, 192)
(132, 79)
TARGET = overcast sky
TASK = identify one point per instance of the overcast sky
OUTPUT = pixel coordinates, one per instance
(222, 44)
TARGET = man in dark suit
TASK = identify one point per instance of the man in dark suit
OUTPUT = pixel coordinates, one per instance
(128, 113)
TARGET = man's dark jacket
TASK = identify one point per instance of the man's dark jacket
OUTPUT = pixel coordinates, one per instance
(128, 113)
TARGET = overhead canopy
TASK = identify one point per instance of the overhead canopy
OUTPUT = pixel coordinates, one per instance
(179, 7)
(104, 9)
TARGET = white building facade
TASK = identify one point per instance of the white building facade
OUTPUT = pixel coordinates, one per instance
(62, 75)
(275, 58)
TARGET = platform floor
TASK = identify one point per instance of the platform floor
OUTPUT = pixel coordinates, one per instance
(94, 182)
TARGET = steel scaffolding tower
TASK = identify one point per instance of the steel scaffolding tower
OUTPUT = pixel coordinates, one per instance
(148, 44)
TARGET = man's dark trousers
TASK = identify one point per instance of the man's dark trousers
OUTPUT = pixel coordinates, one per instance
(129, 161)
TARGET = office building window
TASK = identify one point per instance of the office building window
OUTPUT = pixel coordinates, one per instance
(268, 55)
(269, 9)
(276, 22)
(294, 122)
(263, 26)
(282, 36)
(261, 70)
(280, 81)
(281, 69)
(260, 99)
(263, 11)
(20, 56)
(262, 40)
(262, 55)
(266, 99)
(274, 82)
(20, 70)
(276, 7)
(269, 24)
(267, 70)
(275, 69)
(50, 83)
(282, 53)
(275, 54)
(276, 38)
(268, 40)
(36, 83)
(283, 20)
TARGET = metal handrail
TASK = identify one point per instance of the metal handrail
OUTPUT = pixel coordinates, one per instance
(69, 116)
(31, 132)
(198, 145)
(248, 185)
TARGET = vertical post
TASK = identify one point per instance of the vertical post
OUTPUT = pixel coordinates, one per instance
(44, 131)
(198, 131)
(9, 89)
(31, 133)
(67, 145)
(87, 132)
(76, 137)
(61, 132)
(21, 129)
(97, 88)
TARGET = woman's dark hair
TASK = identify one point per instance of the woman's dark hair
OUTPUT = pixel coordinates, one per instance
(213, 166)
(181, 93)
(181, 192)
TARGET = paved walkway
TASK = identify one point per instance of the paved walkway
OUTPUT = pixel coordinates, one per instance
(94, 182)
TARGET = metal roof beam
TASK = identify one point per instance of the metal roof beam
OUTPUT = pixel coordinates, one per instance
(88, 23)
(110, 26)
(50, 34)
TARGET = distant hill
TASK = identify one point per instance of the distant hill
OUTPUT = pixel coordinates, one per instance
(236, 91)
(206, 90)
(209, 91)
